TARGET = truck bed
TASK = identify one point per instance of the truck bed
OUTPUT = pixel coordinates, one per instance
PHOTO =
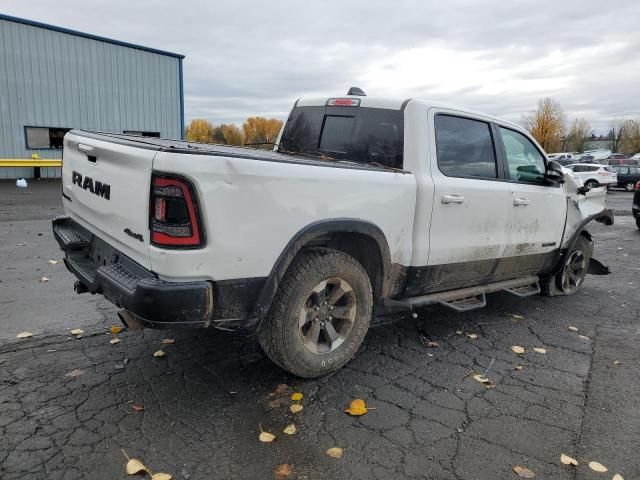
(195, 148)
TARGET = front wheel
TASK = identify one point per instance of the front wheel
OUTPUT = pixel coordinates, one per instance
(320, 314)
(569, 280)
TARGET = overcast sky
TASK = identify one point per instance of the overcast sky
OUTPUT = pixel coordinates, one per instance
(246, 58)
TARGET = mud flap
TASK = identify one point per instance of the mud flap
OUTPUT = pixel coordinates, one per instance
(597, 268)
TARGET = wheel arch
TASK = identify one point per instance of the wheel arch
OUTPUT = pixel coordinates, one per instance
(605, 216)
(363, 240)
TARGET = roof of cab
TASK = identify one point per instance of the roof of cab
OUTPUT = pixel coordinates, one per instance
(399, 104)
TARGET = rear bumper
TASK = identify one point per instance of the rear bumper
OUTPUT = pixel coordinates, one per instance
(130, 286)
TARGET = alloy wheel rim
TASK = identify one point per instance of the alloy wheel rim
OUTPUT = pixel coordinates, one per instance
(573, 272)
(327, 316)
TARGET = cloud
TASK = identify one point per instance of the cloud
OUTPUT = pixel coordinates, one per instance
(247, 57)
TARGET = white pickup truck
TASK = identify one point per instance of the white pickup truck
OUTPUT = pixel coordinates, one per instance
(364, 203)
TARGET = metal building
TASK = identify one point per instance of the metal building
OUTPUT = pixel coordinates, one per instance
(53, 79)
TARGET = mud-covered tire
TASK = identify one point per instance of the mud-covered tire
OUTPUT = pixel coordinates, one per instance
(280, 334)
(557, 285)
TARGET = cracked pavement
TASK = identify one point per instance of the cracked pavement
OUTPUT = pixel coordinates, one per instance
(205, 401)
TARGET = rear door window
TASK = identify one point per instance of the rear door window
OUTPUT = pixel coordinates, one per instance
(464, 147)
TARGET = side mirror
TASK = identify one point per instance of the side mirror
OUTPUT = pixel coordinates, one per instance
(554, 174)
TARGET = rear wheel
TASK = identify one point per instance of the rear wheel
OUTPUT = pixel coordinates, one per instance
(591, 184)
(320, 314)
(638, 221)
(629, 186)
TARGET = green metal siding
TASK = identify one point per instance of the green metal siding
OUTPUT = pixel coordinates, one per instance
(55, 79)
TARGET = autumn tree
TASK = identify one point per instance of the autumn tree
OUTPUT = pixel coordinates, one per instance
(232, 135)
(547, 123)
(260, 129)
(579, 134)
(199, 130)
(617, 129)
(631, 139)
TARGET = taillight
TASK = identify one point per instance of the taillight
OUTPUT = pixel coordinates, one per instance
(175, 218)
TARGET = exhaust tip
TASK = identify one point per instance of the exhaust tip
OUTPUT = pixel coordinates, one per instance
(131, 321)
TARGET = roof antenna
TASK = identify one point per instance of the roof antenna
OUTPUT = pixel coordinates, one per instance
(356, 91)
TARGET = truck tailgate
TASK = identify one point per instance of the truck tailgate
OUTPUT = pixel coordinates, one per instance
(105, 187)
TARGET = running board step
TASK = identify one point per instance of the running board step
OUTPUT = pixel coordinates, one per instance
(465, 299)
(466, 304)
(525, 290)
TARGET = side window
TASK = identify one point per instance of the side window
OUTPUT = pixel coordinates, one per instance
(464, 147)
(525, 163)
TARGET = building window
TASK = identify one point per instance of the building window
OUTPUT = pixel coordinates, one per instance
(142, 134)
(45, 137)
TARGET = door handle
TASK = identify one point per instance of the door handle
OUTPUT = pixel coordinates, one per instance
(520, 201)
(452, 199)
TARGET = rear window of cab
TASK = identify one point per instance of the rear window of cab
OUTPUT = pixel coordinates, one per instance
(359, 134)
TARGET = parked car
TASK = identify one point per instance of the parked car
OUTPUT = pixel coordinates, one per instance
(628, 176)
(636, 157)
(635, 207)
(364, 204)
(621, 159)
(586, 159)
(563, 158)
(598, 154)
(594, 175)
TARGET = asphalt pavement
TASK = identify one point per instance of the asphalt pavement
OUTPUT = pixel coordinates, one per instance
(67, 403)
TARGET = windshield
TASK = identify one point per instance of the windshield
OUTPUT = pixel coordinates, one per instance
(358, 134)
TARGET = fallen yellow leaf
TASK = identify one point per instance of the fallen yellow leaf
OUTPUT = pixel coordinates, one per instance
(114, 341)
(115, 329)
(567, 460)
(24, 335)
(519, 367)
(573, 329)
(266, 437)
(335, 452)
(617, 362)
(584, 337)
(295, 408)
(523, 472)
(472, 336)
(357, 408)
(77, 331)
(518, 349)
(168, 341)
(516, 316)
(44, 279)
(135, 466)
(597, 467)
(540, 350)
(481, 378)
(159, 353)
(289, 429)
(296, 397)
(53, 262)
(283, 471)
(617, 476)
(75, 373)
(161, 476)
(137, 408)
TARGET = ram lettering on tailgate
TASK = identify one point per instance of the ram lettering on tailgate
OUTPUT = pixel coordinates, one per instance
(94, 186)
